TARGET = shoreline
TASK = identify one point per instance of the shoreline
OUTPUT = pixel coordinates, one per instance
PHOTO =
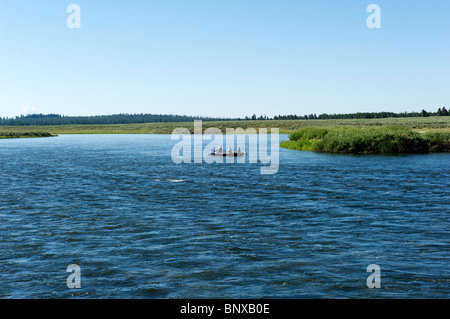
(27, 134)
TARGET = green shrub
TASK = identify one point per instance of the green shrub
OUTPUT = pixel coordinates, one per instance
(25, 134)
(437, 141)
(309, 133)
(369, 140)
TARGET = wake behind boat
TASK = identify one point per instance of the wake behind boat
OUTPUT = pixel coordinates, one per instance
(229, 152)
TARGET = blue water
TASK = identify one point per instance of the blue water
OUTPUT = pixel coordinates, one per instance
(140, 226)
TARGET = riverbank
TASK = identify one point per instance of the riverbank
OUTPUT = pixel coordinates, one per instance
(434, 123)
(368, 140)
(25, 134)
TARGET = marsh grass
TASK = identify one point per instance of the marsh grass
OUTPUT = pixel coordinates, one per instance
(4, 134)
(367, 140)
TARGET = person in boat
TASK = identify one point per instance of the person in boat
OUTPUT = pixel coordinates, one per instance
(229, 151)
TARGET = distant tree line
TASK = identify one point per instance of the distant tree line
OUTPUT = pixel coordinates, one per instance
(359, 115)
(57, 119)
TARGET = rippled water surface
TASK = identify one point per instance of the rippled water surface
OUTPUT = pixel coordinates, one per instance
(141, 226)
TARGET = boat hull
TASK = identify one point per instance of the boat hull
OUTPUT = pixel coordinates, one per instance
(228, 154)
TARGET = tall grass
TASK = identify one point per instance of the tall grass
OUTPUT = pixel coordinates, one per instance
(368, 140)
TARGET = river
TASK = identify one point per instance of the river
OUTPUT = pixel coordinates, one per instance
(139, 225)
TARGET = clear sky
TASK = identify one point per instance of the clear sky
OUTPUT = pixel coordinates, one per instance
(225, 58)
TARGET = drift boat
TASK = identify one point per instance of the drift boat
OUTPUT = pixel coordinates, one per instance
(229, 152)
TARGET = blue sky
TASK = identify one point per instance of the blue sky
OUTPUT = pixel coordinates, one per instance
(223, 58)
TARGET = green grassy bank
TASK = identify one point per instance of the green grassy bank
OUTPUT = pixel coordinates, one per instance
(436, 123)
(368, 140)
(25, 134)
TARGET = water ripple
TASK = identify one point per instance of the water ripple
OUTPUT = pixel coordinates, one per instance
(140, 226)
